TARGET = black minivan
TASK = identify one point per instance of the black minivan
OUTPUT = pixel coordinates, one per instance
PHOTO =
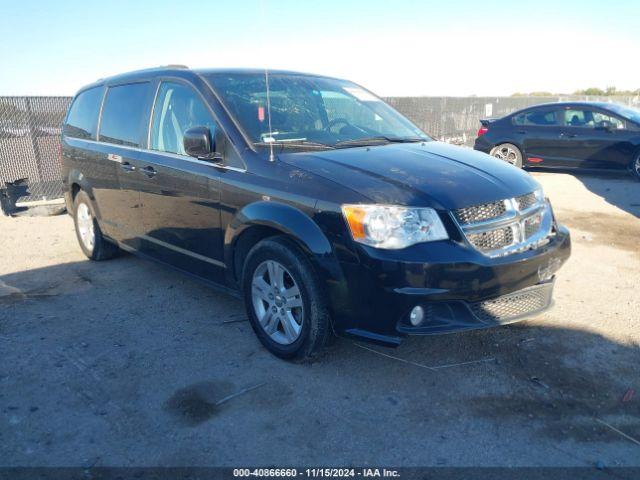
(324, 207)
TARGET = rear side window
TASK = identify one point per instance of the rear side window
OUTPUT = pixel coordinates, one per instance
(540, 118)
(123, 113)
(83, 114)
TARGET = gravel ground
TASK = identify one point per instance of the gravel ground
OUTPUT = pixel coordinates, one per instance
(126, 363)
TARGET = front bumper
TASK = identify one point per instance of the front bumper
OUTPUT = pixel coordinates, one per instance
(452, 316)
(467, 291)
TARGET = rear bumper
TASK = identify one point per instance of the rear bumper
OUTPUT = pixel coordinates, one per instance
(482, 145)
(468, 291)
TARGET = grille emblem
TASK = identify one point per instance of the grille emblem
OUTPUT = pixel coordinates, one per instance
(506, 226)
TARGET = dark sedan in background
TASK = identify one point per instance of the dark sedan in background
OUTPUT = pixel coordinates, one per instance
(590, 135)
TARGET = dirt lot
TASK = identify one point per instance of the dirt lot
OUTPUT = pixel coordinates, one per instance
(127, 363)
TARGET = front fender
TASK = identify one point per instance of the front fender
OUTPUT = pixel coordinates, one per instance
(291, 222)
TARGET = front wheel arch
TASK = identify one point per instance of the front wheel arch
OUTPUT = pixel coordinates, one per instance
(262, 219)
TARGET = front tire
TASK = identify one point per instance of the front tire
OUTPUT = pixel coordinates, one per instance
(284, 300)
(509, 153)
(90, 238)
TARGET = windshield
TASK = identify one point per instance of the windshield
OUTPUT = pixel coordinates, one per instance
(314, 111)
(629, 113)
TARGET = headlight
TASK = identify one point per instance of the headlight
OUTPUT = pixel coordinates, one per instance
(393, 227)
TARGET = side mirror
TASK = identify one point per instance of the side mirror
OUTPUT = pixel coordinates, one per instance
(197, 143)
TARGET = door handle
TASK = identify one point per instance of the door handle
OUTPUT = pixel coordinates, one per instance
(149, 171)
(569, 135)
(127, 167)
(521, 132)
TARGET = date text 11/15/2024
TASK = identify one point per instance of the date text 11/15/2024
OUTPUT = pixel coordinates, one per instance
(317, 472)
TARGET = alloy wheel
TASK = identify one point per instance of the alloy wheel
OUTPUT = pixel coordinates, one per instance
(277, 302)
(506, 154)
(85, 226)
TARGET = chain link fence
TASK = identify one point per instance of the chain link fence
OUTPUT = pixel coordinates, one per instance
(30, 130)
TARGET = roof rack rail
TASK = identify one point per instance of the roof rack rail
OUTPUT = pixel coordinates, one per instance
(175, 65)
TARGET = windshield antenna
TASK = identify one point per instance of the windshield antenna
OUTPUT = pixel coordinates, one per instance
(270, 140)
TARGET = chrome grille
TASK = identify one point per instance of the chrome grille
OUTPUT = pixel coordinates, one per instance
(507, 226)
(480, 213)
(526, 201)
(532, 225)
(492, 239)
(514, 305)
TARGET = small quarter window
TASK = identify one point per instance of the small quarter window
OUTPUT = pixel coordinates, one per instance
(177, 109)
(123, 113)
(83, 114)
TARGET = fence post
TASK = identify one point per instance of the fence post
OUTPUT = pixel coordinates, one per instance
(34, 141)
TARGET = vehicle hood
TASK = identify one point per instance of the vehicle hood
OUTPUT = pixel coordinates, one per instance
(433, 174)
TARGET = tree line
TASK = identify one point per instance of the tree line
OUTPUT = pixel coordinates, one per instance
(592, 91)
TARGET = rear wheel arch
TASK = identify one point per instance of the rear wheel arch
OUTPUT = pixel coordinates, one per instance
(92, 242)
(635, 165)
(75, 188)
(512, 141)
(77, 182)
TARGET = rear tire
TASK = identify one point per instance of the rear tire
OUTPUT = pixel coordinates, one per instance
(284, 299)
(635, 167)
(509, 153)
(90, 238)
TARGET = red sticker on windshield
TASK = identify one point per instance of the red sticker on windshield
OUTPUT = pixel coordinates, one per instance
(261, 113)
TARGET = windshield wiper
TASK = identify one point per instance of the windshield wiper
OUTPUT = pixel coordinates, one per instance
(408, 139)
(377, 140)
(294, 144)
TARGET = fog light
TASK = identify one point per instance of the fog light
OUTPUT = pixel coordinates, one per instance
(416, 316)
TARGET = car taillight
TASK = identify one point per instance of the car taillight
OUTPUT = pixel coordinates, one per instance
(483, 130)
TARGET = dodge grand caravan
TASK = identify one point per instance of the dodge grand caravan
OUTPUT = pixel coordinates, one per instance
(326, 209)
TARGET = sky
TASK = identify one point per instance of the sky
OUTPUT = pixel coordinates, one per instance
(394, 48)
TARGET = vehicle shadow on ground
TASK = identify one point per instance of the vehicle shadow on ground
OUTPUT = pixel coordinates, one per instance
(618, 189)
(127, 351)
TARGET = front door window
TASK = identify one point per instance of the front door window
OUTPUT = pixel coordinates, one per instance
(177, 109)
(585, 118)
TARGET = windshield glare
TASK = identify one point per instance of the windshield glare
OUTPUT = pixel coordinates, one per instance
(310, 109)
